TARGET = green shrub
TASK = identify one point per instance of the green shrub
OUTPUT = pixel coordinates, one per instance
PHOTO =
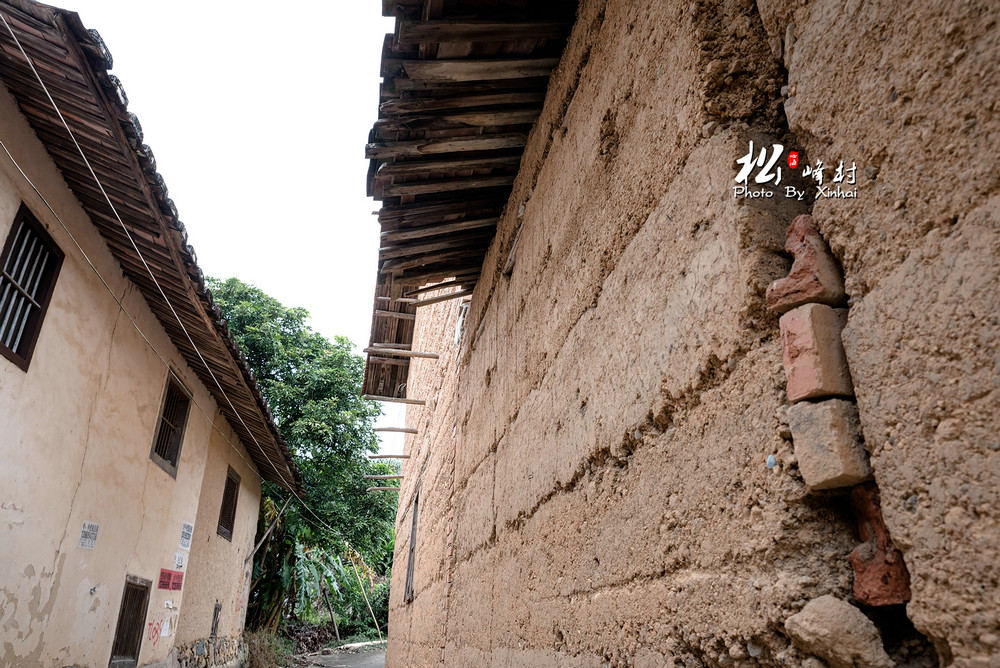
(266, 650)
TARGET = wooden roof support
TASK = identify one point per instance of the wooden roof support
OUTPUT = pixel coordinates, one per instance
(471, 119)
(382, 489)
(440, 145)
(398, 430)
(401, 300)
(436, 230)
(394, 314)
(447, 71)
(388, 360)
(447, 185)
(414, 32)
(443, 298)
(383, 477)
(422, 104)
(401, 353)
(448, 165)
(397, 400)
(388, 456)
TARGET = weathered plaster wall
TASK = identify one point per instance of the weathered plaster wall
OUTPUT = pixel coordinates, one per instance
(592, 460)
(217, 570)
(76, 436)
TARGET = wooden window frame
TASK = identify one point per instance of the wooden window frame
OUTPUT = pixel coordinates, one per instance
(224, 531)
(33, 327)
(124, 661)
(170, 467)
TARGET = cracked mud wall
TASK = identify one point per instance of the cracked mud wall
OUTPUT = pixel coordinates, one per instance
(592, 459)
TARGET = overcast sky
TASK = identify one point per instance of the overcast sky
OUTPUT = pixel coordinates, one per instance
(258, 116)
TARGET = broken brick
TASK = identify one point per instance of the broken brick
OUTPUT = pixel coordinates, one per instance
(813, 353)
(828, 444)
(880, 574)
(815, 276)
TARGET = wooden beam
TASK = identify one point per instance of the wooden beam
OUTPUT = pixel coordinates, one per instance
(432, 288)
(397, 430)
(388, 456)
(458, 71)
(452, 165)
(459, 120)
(404, 346)
(382, 489)
(397, 400)
(405, 213)
(413, 32)
(387, 360)
(411, 233)
(442, 298)
(383, 477)
(445, 243)
(441, 145)
(401, 353)
(447, 185)
(381, 313)
(401, 300)
(421, 105)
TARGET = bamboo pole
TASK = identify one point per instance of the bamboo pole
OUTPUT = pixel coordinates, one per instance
(382, 489)
(399, 430)
(398, 300)
(383, 477)
(398, 400)
(442, 298)
(401, 353)
(395, 314)
(388, 456)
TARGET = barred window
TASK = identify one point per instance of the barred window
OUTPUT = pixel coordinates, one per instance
(227, 514)
(170, 427)
(29, 265)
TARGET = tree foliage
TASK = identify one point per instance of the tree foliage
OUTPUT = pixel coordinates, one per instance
(313, 388)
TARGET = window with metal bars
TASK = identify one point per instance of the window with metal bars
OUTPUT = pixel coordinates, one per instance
(29, 264)
(408, 590)
(170, 427)
(131, 620)
(227, 514)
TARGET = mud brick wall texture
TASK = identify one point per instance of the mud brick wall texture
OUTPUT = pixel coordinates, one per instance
(606, 464)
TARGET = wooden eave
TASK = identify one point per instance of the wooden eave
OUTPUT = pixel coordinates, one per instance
(463, 83)
(74, 62)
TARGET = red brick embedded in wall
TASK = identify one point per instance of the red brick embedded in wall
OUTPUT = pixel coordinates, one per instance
(815, 275)
(815, 363)
(880, 575)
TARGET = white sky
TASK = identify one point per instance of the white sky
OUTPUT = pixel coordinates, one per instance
(258, 116)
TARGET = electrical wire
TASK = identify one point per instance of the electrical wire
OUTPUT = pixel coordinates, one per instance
(121, 305)
(289, 486)
(194, 346)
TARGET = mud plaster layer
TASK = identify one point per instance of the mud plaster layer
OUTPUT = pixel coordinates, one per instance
(595, 450)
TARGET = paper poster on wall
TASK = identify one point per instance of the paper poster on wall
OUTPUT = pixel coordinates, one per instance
(178, 560)
(187, 530)
(170, 580)
(88, 535)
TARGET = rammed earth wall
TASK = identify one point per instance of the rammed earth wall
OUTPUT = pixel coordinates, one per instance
(593, 461)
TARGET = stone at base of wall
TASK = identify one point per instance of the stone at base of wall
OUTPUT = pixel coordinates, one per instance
(211, 653)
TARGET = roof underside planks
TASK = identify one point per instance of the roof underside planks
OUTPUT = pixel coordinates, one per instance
(463, 82)
(73, 63)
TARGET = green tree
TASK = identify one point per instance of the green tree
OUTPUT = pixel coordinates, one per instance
(313, 388)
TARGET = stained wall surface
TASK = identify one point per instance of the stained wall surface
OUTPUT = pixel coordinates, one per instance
(592, 459)
(76, 430)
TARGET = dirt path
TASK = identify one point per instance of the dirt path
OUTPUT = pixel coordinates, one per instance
(373, 659)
